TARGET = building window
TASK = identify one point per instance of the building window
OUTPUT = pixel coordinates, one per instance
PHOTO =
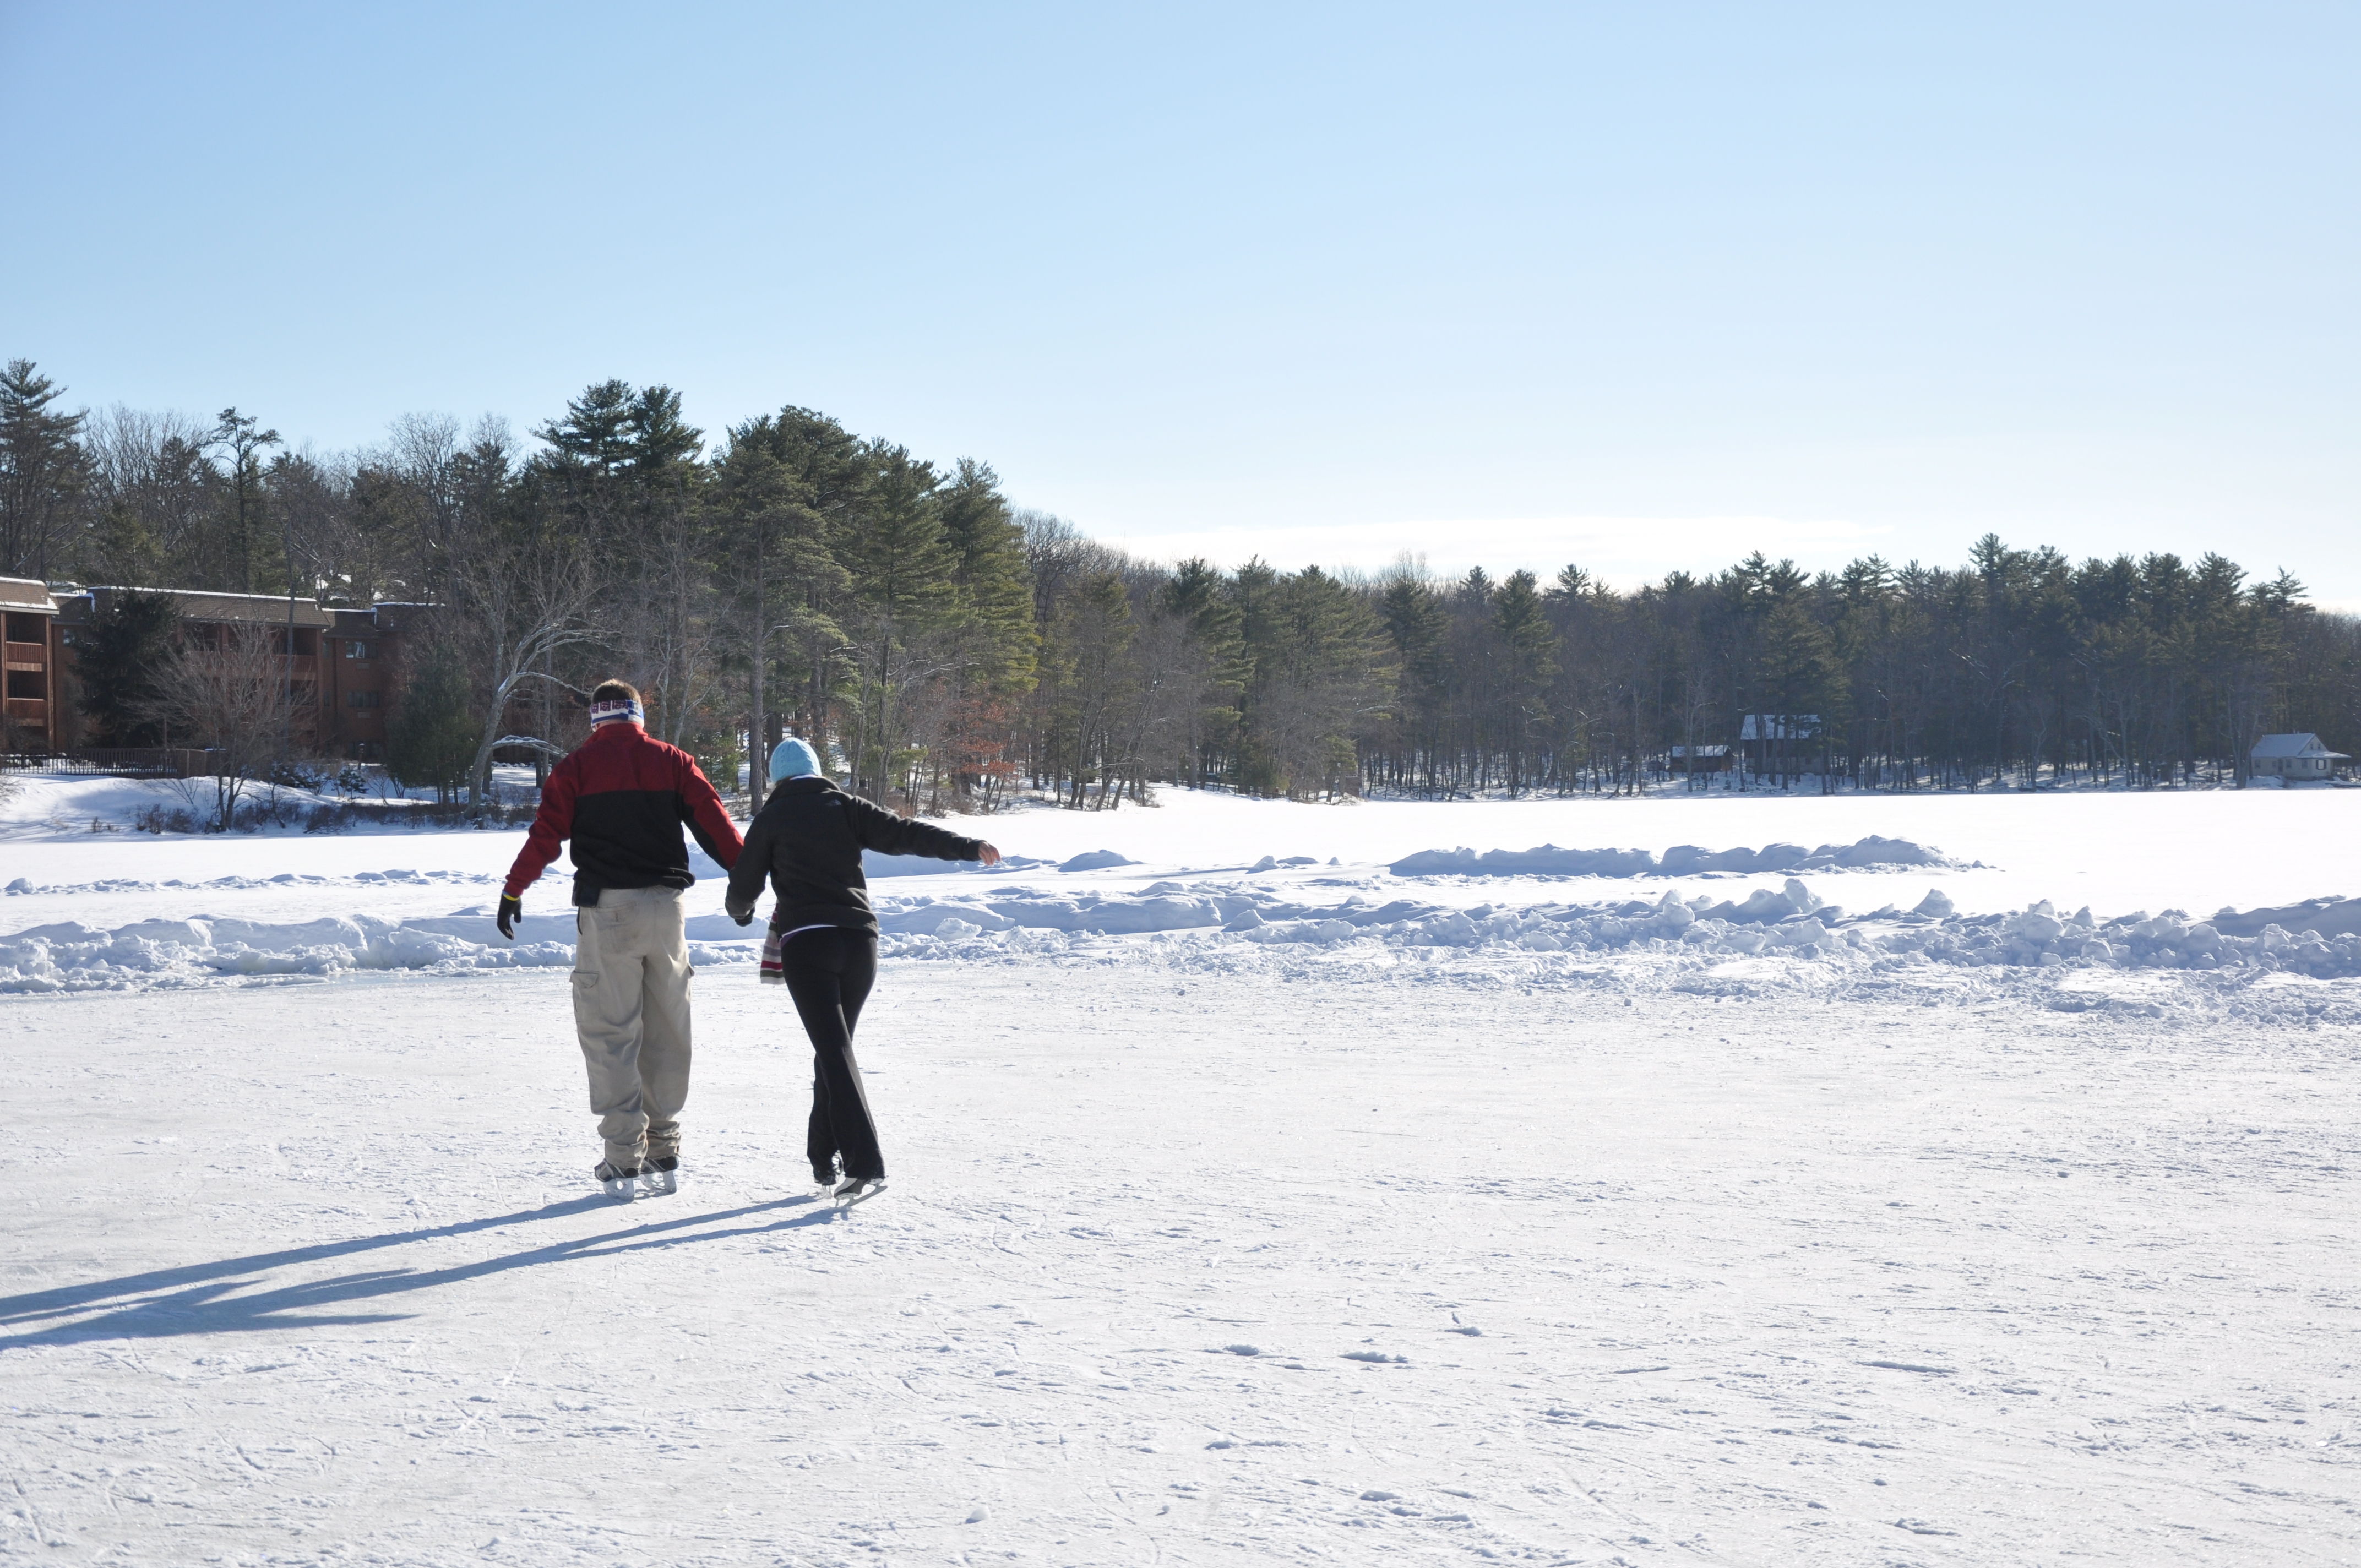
(359, 651)
(27, 629)
(364, 699)
(24, 684)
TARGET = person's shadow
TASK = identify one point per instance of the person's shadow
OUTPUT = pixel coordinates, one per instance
(197, 1299)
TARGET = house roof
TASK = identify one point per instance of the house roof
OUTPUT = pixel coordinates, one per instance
(22, 594)
(1779, 727)
(2303, 745)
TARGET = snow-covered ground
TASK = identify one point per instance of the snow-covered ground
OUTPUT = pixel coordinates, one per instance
(1241, 1210)
(2156, 904)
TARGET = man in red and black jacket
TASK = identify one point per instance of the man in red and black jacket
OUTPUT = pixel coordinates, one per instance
(621, 797)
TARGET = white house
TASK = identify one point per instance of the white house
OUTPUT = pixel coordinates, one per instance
(2294, 757)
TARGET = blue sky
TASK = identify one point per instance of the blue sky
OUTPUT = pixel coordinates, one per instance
(1640, 286)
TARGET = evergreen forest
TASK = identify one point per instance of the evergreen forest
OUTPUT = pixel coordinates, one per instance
(953, 649)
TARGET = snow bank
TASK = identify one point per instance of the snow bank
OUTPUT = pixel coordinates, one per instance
(1681, 860)
(150, 955)
(2298, 960)
(402, 875)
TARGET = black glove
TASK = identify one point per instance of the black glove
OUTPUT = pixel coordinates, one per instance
(746, 918)
(512, 908)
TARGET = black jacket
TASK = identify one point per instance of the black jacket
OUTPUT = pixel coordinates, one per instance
(807, 839)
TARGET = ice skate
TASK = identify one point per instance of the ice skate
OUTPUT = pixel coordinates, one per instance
(621, 1183)
(660, 1177)
(857, 1189)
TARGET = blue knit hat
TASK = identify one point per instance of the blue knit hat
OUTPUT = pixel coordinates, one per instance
(792, 759)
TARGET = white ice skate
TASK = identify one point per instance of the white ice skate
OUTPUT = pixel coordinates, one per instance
(659, 1177)
(620, 1184)
(858, 1189)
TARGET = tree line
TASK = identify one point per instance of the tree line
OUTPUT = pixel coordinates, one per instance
(950, 648)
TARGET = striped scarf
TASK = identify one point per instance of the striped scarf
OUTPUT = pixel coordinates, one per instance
(773, 940)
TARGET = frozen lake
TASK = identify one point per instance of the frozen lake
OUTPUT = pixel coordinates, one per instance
(1208, 1244)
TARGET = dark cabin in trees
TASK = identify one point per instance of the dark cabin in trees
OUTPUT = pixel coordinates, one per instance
(1781, 744)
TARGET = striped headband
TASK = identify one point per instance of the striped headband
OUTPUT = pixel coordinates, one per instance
(613, 708)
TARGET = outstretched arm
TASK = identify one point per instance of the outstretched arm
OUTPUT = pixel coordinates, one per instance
(880, 829)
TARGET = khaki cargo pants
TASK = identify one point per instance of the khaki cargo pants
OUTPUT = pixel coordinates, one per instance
(630, 1008)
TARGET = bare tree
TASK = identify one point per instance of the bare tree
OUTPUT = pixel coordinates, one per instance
(227, 689)
(523, 602)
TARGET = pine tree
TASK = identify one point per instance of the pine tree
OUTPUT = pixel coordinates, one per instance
(239, 435)
(1210, 660)
(42, 472)
(995, 602)
(904, 593)
(432, 741)
(1419, 627)
(1531, 648)
(120, 663)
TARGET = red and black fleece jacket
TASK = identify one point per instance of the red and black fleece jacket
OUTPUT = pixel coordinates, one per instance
(622, 797)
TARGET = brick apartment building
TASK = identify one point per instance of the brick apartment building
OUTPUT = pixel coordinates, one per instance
(28, 721)
(343, 666)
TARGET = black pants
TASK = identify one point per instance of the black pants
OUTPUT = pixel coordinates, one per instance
(828, 973)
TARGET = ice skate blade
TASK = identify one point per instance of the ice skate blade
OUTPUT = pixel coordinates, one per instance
(622, 1189)
(659, 1183)
(861, 1194)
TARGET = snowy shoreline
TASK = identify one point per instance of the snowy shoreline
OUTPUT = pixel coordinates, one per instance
(2299, 965)
(2026, 901)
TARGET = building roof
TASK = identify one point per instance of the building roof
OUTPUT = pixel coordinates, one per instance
(1779, 727)
(202, 604)
(2303, 745)
(24, 593)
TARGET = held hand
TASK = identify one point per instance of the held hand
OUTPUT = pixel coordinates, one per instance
(989, 855)
(511, 910)
(744, 916)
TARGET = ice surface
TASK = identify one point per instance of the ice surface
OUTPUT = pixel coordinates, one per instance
(315, 1273)
(1993, 1209)
(2117, 852)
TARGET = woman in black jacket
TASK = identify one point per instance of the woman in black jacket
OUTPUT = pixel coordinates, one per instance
(807, 841)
